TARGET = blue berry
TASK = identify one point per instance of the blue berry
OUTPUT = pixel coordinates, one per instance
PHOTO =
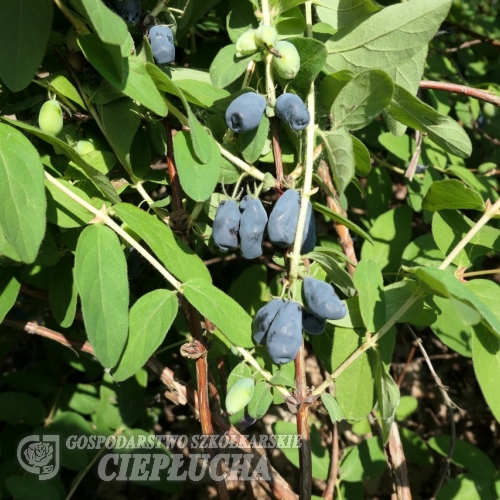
(226, 225)
(284, 337)
(264, 317)
(162, 44)
(128, 10)
(252, 226)
(292, 110)
(309, 238)
(283, 220)
(312, 324)
(245, 112)
(321, 299)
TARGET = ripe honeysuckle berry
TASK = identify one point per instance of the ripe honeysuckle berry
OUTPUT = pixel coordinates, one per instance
(128, 10)
(284, 336)
(321, 299)
(239, 395)
(252, 226)
(263, 319)
(226, 225)
(292, 110)
(309, 238)
(282, 224)
(245, 112)
(266, 36)
(162, 44)
(312, 324)
(50, 118)
(288, 65)
(246, 44)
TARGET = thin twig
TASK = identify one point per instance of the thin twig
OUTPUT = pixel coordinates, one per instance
(412, 166)
(490, 212)
(397, 459)
(475, 34)
(345, 239)
(449, 405)
(454, 88)
(277, 149)
(305, 463)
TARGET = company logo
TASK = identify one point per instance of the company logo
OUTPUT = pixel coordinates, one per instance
(39, 454)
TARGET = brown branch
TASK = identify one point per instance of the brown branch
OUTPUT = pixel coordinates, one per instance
(475, 34)
(334, 467)
(305, 461)
(172, 172)
(449, 405)
(454, 88)
(397, 459)
(275, 124)
(178, 392)
(345, 239)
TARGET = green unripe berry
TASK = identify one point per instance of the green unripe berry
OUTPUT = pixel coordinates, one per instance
(246, 44)
(50, 119)
(71, 42)
(489, 110)
(83, 147)
(266, 36)
(288, 65)
(239, 395)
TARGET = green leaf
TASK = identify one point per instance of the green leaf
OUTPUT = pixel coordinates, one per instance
(332, 407)
(22, 191)
(465, 455)
(252, 143)
(60, 83)
(450, 327)
(338, 144)
(109, 26)
(24, 34)
(362, 99)
(249, 289)
(387, 394)
(9, 289)
(132, 78)
(226, 68)
(150, 319)
(442, 130)
(451, 194)
(363, 461)
(391, 233)
(448, 229)
(370, 285)
(312, 60)
(240, 19)
(342, 220)
(336, 272)
(121, 121)
(334, 252)
(446, 285)
(261, 400)
(396, 294)
(198, 180)
(387, 38)
(354, 387)
(174, 254)
(99, 180)
(414, 447)
(407, 405)
(31, 488)
(342, 13)
(362, 163)
(319, 456)
(21, 408)
(202, 94)
(226, 314)
(202, 141)
(102, 283)
(63, 210)
(62, 293)
(486, 361)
